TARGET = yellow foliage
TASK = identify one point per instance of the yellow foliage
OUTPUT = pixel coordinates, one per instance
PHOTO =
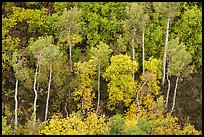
(130, 116)
(189, 130)
(75, 125)
(84, 72)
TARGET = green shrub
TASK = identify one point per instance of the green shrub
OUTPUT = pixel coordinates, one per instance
(116, 125)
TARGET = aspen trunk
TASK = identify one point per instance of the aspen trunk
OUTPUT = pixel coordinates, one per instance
(38, 86)
(167, 95)
(65, 108)
(174, 98)
(138, 106)
(98, 87)
(70, 55)
(165, 52)
(35, 100)
(70, 50)
(48, 92)
(133, 55)
(143, 51)
(16, 107)
(137, 99)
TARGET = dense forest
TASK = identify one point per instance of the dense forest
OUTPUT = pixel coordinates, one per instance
(113, 68)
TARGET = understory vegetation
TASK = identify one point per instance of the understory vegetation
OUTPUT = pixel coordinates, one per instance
(101, 68)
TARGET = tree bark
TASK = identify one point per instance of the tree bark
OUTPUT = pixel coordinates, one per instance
(16, 107)
(167, 95)
(35, 100)
(70, 55)
(137, 99)
(65, 108)
(143, 51)
(99, 71)
(48, 92)
(38, 79)
(165, 52)
(138, 106)
(174, 98)
(133, 54)
(70, 50)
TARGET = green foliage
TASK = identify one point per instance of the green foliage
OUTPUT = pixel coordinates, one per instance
(102, 53)
(70, 23)
(6, 129)
(37, 46)
(137, 18)
(178, 57)
(169, 9)
(27, 129)
(41, 33)
(116, 125)
(143, 127)
(189, 29)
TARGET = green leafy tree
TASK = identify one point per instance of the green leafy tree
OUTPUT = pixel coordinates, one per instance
(142, 127)
(101, 53)
(178, 59)
(21, 73)
(50, 55)
(36, 48)
(6, 129)
(70, 23)
(137, 20)
(116, 125)
(169, 10)
(189, 29)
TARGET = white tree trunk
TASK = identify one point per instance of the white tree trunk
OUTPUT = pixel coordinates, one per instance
(65, 108)
(165, 52)
(174, 98)
(99, 71)
(143, 51)
(38, 79)
(138, 106)
(70, 55)
(16, 107)
(70, 50)
(133, 58)
(48, 92)
(35, 100)
(167, 95)
(133, 54)
(137, 98)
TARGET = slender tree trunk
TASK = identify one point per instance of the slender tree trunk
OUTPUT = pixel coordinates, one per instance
(70, 55)
(167, 95)
(16, 107)
(165, 52)
(174, 98)
(38, 86)
(65, 108)
(143, 51)
(99, 71)
(48, 92)
(35, 100)
(133, 54)
(138, 106)
(137, 99)
(70, 50)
